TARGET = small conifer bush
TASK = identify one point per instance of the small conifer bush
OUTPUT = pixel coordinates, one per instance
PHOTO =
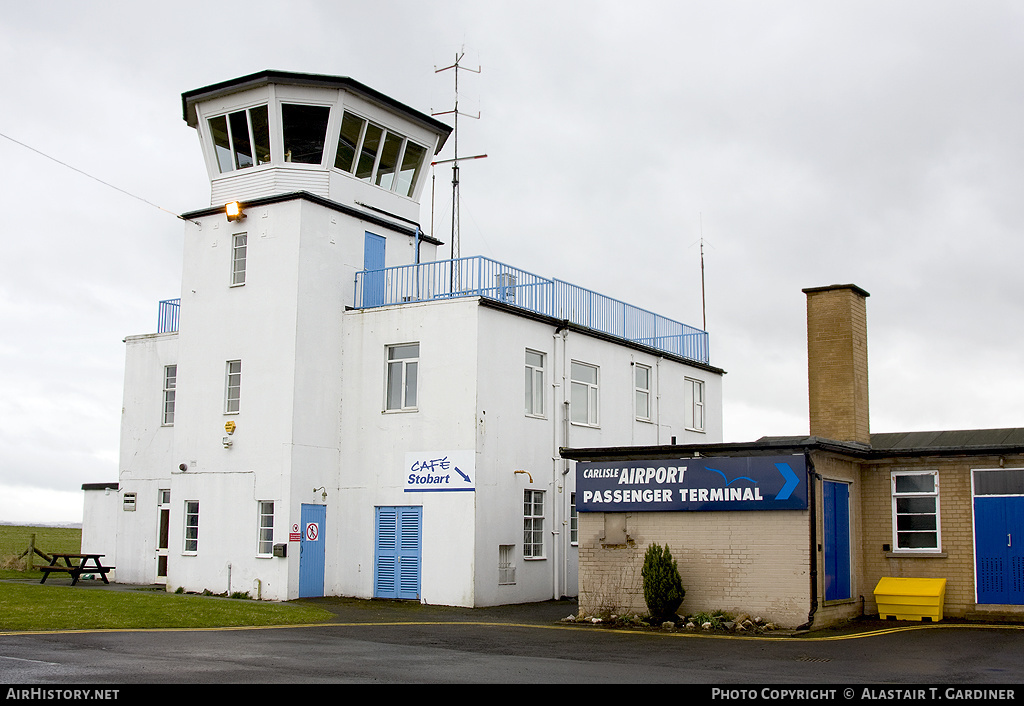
(663, 588)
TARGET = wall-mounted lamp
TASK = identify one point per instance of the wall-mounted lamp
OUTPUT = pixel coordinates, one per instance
(324, 496)
(234, 211)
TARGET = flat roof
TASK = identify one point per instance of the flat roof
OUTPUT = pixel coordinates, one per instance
(268, 76)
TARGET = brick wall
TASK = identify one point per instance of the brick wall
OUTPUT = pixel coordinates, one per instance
(741, 562)
(955, 562)
(837, 363)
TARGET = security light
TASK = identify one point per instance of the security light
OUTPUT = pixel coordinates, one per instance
(233, 211)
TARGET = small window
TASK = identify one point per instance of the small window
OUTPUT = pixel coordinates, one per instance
(304, 128)
(506, 564)
(170, 383)
(583, 396)
(915, 511)
(574, 534)
(233, 387)
(241, 139)
(534, 383)
(239, 242)
(266, 528)
(402, 373)
(533, 524)
(348, 142)
(694, 401)
(412, 163)
(191, 526)
(642, 391)
(163, 497)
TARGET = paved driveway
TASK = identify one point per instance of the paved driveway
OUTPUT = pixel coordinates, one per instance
(405, 643)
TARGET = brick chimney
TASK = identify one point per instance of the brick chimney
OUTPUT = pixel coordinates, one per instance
(837, 362)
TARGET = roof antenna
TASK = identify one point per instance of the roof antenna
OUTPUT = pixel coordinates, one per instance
(703, 301)
(455, 163)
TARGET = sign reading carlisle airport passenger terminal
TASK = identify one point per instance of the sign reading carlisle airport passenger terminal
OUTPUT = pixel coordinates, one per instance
(693, 484)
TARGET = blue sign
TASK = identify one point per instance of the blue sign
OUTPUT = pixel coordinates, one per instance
(693, 484)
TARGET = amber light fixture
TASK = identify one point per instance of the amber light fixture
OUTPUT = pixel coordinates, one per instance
(234, 211)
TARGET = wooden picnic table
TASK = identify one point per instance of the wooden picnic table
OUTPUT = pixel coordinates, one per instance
(76, 570)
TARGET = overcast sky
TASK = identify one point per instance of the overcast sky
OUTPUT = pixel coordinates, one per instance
(808, 143)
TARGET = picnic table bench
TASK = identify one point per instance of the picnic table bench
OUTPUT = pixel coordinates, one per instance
(76, 570)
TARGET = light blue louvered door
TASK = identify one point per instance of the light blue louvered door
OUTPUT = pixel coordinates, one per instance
(397, 554)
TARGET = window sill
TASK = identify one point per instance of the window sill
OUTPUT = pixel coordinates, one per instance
(534, 558)
(585, 425)
(693, 429)
(535, 416)
(400, 411)
(931, 554)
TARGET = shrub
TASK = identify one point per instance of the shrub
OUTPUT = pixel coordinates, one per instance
(663, 588)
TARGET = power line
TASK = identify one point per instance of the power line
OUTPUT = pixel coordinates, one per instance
(76, 169)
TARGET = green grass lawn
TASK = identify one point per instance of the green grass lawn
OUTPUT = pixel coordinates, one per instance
(14, 539)
(29, 605)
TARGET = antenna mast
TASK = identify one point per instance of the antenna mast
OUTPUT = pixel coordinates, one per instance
(455, 162)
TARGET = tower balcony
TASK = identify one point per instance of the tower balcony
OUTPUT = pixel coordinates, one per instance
(482, 277)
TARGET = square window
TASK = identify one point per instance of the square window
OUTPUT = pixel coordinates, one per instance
(402, 373)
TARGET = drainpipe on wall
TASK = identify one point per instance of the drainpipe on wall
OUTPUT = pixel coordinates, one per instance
(812, 483)
(559, 566)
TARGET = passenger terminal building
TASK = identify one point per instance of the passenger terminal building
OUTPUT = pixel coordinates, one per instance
(328, 408)
(800, 530)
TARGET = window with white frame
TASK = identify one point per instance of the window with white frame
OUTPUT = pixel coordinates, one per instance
(915, 511)
(574, 528)
(304, 132)
(693, 393)
(378, 156)
(239, 242)
(583, 394)
(534, 383)
(265, 531)
(170, 383)
(506, 564)
(642, 391)
(233, 387)
(533, 524)
(241, 139)
(191, 526)
(402, 373)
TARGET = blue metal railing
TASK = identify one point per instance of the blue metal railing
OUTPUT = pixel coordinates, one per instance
(167, 317)
(483, 277)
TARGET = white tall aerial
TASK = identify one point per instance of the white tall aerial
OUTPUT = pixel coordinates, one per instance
(455, 245)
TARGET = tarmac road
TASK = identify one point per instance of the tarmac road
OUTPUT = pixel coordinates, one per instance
(395, 642)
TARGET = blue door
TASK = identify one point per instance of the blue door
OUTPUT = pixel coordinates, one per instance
(311, 550)
(999, 549)
(837, 540)
(396, 567)
(373, 261)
